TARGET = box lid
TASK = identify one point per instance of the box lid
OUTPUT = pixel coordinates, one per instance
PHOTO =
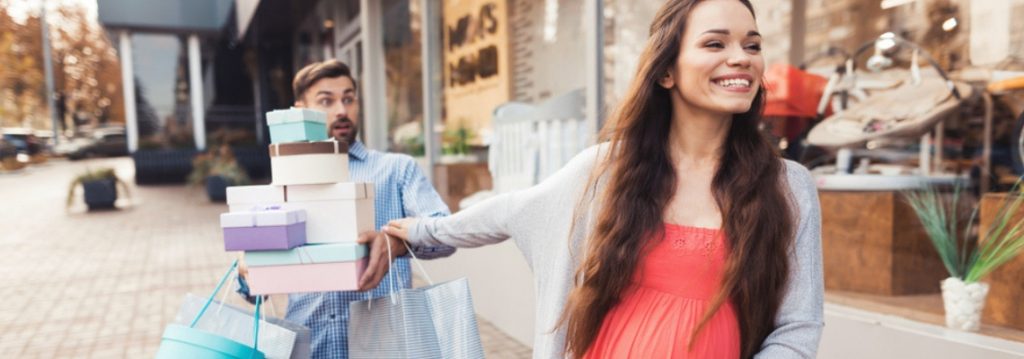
(259, 195)
(330, 191)
(296, 114)
(308, 254)
(308, 148)
(260, 216)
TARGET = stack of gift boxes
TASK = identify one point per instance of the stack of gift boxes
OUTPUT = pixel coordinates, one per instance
(299, 232)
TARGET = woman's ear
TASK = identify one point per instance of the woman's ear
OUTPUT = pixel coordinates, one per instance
(667, 81)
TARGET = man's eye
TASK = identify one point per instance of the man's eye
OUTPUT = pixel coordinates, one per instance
(348, 101)
(325, 102)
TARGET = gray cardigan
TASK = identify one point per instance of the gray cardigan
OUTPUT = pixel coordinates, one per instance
(538, 219)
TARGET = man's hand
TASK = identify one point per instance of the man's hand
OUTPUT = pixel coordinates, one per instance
(379, 259)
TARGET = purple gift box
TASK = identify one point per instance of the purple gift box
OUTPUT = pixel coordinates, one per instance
(264, 229)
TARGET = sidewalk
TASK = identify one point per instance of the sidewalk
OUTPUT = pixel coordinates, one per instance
(104, 284)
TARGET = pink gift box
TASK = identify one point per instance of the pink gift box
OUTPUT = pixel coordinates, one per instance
(306, 278)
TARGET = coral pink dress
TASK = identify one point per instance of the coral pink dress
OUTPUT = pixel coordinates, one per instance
(672, 288)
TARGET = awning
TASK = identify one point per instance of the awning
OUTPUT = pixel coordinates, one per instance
(165, 15)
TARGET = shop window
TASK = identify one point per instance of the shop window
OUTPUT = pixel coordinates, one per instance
(404, 76)
(163, 105)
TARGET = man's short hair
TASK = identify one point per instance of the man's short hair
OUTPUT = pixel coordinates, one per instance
(316, 71)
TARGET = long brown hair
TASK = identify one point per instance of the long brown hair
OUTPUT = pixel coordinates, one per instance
(748, 188)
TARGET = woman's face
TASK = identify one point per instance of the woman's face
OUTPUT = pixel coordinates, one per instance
(719, 66)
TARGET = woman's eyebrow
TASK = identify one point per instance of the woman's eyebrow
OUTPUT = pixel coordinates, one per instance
(750, 33)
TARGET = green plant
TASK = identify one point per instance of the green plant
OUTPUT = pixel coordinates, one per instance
(218, 161)
(456, 141)
(963, 255)
(95, 175)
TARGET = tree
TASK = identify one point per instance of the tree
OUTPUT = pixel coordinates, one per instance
(21, 74)
(87, 71)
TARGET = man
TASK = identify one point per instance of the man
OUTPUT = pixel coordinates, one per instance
(401, 191)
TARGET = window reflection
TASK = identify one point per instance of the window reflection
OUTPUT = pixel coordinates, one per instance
(161, 91)
(403, 71)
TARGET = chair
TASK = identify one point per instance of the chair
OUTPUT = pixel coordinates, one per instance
(532, 142)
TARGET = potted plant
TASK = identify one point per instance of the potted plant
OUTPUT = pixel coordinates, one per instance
(216, 170)
(99, 188)
(967, 259)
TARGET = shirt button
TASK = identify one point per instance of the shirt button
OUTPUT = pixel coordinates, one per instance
(332, 316)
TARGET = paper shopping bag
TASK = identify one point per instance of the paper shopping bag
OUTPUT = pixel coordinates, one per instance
(437, 321)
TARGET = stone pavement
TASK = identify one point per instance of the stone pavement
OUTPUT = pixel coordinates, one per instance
(104, 284)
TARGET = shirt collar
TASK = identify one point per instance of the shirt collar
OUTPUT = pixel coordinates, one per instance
(357, 150)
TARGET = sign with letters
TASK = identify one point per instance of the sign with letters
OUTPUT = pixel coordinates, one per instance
(476, 62)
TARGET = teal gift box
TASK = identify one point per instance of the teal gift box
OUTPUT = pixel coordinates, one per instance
(297, 125)
(307, 254)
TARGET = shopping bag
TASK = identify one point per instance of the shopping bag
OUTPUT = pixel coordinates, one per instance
(278, 337)
(437, 321)
(187, 341)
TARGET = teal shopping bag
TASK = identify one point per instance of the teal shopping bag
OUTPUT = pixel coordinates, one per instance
(181, 341)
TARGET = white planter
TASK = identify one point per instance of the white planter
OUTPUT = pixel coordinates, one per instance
(964, 303)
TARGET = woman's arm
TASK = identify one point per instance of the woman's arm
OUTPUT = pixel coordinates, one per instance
(799, 323)
(526, 213)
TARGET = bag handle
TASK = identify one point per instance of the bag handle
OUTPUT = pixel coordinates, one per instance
(256, 313)
(415, 260)
(234, 265)
(392, 282)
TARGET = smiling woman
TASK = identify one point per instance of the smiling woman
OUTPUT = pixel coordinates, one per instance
(688, 236)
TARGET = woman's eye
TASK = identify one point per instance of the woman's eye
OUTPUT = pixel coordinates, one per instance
(715, 44)
(754, 47)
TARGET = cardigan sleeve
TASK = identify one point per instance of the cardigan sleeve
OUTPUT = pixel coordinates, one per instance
(548, 204)
(799, 322)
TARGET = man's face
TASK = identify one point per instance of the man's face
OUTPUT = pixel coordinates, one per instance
(337, 97)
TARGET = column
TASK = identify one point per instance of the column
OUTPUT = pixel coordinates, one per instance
(798, 30)
(593, 19)
(431, 43)
(128, 86)
(195, 86)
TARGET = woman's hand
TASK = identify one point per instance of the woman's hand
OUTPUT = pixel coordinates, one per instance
(399, 228)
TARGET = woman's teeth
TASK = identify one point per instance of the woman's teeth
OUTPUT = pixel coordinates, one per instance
(733, 83)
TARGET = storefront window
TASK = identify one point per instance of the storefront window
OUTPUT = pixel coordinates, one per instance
(404, 76)
(163, 106)
(626, 27)
(548, 46)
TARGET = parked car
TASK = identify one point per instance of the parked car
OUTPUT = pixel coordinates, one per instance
(102, 142)
(9, 158)
(7, 149)
(24, 140)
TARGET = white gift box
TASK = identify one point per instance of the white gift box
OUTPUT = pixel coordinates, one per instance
(298, 163)
(262, 217)
(335, 212)
(244, 198)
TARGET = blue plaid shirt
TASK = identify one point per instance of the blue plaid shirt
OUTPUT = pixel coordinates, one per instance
(401, 191)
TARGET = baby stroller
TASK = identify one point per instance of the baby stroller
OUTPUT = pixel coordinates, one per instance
(885, 109)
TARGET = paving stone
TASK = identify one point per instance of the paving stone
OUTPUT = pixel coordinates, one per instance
(81, 284)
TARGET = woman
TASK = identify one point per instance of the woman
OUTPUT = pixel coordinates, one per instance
(691, 237)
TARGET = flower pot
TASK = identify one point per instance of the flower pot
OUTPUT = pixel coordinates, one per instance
(964, 303)
(100, 194)
(216, 188)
